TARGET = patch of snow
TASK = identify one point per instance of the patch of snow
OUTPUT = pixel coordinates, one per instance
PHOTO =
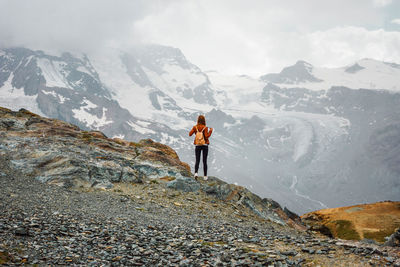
(28, 61)
(113, 74)
(16, 99)
(84, 70)
(52, 72)
(140, 129)
(238, 89)
(92, 121)
(143, 123)
(167, 139)
(61, 99)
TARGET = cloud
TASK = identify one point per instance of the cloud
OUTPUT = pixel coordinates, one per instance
(396, 21)
(262, 37)
(81, 25)
(382, 3)
(231, 36)
(343, 45)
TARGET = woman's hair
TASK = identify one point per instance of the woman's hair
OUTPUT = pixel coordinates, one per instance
(201, 120)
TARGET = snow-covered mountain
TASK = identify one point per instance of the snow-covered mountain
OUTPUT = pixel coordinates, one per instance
(308, 137)
(365, 74)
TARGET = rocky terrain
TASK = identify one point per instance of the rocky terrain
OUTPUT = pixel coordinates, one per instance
(368, 221)
(69, 196)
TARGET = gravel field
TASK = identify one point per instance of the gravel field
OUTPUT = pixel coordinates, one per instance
(149, 224)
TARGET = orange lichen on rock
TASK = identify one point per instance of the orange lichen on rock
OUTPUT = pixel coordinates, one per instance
(158, 152)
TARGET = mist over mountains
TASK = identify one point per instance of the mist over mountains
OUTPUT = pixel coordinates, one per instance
(306, 137)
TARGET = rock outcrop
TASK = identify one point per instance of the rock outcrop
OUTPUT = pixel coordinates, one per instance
(60, 153)
(264, 207)
(394, 239)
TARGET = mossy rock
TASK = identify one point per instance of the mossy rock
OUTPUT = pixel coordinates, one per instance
(343, 229)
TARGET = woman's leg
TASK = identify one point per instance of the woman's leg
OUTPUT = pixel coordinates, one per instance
(197, 152)
(205, 154)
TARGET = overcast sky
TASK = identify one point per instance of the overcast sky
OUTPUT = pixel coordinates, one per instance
(231, 36)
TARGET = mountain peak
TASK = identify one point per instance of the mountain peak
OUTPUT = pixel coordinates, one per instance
(298, 73)
(303, 63)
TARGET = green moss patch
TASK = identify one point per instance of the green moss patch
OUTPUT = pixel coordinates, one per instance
(378, 236)
(344, 229)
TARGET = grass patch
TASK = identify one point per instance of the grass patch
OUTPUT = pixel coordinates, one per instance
(378, 236)
(344, 229)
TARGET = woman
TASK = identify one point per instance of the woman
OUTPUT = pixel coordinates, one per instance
(201, 142)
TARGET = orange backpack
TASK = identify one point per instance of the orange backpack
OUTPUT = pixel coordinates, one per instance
(199, 139)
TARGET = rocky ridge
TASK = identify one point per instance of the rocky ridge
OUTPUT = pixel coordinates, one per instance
(60, 153)
(125, 203)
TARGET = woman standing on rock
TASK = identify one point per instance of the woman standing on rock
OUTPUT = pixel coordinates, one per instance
(201, 142)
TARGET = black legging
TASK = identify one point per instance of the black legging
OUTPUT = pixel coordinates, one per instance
(205, 153)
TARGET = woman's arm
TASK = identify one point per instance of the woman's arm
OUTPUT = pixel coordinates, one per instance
(208, 132)
(192, 131)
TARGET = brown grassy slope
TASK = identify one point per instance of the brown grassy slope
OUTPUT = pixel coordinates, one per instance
(371, 221)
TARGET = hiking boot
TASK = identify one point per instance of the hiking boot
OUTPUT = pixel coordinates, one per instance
(205, 178)
(195, 176)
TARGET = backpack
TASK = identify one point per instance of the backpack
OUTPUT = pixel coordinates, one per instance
(199, 139)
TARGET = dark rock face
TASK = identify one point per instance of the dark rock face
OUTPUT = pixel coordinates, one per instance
(184, 184)
(300, 72)
(354, 68)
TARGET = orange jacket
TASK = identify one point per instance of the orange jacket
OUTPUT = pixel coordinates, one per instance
(207, 132)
